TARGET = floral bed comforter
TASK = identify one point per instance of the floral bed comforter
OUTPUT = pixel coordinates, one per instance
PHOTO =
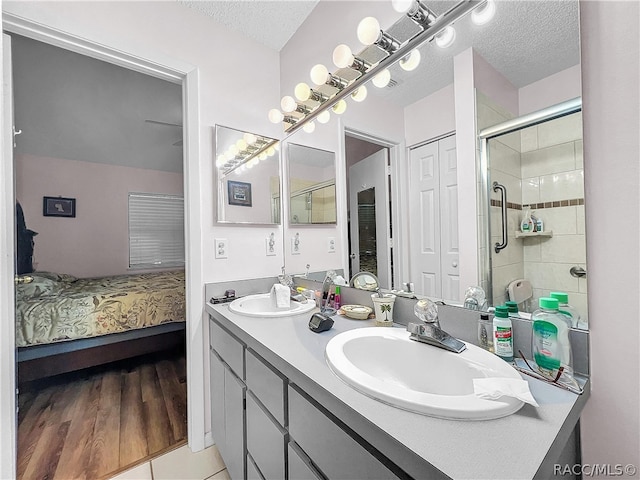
(56, 307)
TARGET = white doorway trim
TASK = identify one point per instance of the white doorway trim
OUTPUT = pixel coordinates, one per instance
(398, 174)
(158, 65)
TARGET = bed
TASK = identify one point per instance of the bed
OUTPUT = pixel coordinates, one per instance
(65, 323)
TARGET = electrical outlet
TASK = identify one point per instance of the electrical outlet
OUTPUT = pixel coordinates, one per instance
(331, 245)
(295, 245)
(270, 245)
(221, 247)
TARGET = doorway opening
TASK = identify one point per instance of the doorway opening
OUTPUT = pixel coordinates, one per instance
(369, 207)
(73, 420)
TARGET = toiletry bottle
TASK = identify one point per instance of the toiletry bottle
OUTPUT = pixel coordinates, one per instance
(336, 299)
(564, 307)
(513, 308)
(550, 340)
(526, 225)
(503, 334)
(485, 332)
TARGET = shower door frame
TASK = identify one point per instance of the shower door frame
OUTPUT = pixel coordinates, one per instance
(535, 118)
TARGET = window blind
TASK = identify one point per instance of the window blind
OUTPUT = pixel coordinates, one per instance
(156, 230)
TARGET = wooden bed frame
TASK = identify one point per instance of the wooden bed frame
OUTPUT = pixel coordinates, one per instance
(40, 361)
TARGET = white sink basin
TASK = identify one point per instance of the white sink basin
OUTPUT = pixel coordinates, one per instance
(385, 364)
(261, 305)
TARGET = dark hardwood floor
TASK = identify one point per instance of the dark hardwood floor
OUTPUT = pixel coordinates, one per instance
(99, 421)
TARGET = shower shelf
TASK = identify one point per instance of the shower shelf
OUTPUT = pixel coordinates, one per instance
(548, 233)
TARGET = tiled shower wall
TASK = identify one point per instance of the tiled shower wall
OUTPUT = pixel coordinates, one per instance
(553, 184)
(542, 167)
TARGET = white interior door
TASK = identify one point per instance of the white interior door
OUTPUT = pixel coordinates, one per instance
(7, 262)
(449, 249)
(433, 226)
(368, 181)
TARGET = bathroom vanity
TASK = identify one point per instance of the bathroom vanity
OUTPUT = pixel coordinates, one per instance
(279, 412)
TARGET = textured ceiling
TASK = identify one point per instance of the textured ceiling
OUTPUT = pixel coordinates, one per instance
(268, 22)
(526, 41)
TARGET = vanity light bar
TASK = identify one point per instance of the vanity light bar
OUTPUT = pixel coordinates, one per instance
(239, 161)
(432, 26)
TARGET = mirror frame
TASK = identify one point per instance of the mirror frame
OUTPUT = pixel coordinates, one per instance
(221, 188)
(290, 192)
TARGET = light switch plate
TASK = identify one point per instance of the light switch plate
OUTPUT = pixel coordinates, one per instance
(295, 245)
(270, 246)
(331, 245)
(221, 247)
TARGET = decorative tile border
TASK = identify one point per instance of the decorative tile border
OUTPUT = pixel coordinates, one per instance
(541, 205)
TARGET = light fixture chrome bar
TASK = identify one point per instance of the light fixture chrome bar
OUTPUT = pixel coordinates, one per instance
(264, 148)
(457, 11)
(421, 14)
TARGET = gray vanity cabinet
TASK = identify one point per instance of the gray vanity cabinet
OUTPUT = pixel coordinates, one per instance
(328, 446)
(266, 429)
(227, 400)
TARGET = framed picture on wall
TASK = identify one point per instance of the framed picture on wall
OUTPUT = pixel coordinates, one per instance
(58, 207)
(239, 193)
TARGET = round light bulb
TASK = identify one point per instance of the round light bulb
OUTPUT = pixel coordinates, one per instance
(262, 156)
(250, 138)
(342, 56)
(277, 146)
(241, 144)
(221, 160)
(302, 92)
(233, 150)
(340, 107)
(324, 117)
(368, 31)
(271, 152)
(446, 37)
(309, 127)
(275, 116)
(402, 6)
(382, 79)
(288, 104)
(360, 94)
(319, 74)
(484, 13)
(411, 61)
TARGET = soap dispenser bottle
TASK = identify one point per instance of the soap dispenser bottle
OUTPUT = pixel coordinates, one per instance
(550, 344)
(485, 332)
(564, 307)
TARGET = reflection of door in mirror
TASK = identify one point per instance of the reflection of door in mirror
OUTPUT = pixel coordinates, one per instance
(541, 168)
(433, 225)
(369, 217)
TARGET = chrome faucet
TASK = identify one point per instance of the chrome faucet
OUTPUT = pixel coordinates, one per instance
(431, 333)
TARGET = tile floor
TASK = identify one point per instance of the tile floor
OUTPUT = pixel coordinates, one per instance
(180, 464)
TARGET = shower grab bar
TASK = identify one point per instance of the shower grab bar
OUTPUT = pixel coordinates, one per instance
(503, 195)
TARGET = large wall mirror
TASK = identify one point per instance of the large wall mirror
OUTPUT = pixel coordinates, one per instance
(312, 185)
(248, 177)
(533, 47)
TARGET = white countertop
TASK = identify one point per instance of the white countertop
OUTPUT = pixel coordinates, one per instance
(522, 445)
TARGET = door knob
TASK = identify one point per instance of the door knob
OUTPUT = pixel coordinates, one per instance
(352, 256)
(454, 264)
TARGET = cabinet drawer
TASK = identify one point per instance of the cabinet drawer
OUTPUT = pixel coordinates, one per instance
(266, 384)
(300, 467)
(265, 441)
(332, 450)
(252, 471)
(228, 347)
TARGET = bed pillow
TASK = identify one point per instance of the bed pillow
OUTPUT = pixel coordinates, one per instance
(44, 284)
(57, 277)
